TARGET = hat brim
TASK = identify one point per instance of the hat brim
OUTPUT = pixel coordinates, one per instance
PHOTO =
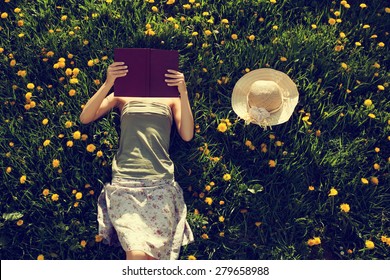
(285, 83)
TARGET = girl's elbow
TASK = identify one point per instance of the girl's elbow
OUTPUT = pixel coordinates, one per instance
(187, 137)
(84, 120)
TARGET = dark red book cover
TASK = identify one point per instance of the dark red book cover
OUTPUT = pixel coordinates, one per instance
(147, 69)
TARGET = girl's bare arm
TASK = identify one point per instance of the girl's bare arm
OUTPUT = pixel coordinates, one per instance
(98, 105)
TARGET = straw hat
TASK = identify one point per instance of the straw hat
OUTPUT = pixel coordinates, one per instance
(265, 97)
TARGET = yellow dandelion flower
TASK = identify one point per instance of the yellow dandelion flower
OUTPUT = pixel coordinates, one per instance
(225, 21)
(344, 65)
(381, 44)
(99, 154)
(46, 143)
(30, 86)
(363, 5)
(345, 207)
(283, 59)
(23, 179)
(208, 200)
(251, 37)
(205, 236)
(369, 244)
(75, 72)
(98, 238)
(371, 115)
(73, 81)
(208, 32)
(40, 257)
(68, 124)
(358, 44)
(76, 135)
(79, 195)
(84, 137)
(380, 87)
(222, 127)
(226, 177)
(91, 148)
(366, 26)
(234, 36)
(311, 188)
(221, 219)
(83, 243)
(271, 163)
(364, 181)
(45, 192)
(56, 163)
(72, 92)
(374, 181)
(314, 241)
(333, 192)
(342, 35)
(68, 72)
(55, 197)
(19, 223)
(191, 257)
(332, 21)
(314, 26)
(69, 143)
(150, 32)
(387, 10)
(8, 170)
(376, 166)
(4, 15)
(367, 102)
(257, 224)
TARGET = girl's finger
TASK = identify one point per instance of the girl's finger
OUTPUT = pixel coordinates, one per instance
(120, 73)
(173, 76)
(117, 63)
(173, 71)
(173, 80)
(113, 68)
(174, 84)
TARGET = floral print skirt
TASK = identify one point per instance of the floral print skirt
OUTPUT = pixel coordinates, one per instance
(144, 215)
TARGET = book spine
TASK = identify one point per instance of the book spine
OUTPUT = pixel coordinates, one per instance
(148, 74)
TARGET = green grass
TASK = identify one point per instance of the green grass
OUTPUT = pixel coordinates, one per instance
(269, 212)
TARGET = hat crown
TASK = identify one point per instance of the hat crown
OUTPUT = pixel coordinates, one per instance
(265, 94)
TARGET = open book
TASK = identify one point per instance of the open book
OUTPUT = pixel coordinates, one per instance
(147, 69)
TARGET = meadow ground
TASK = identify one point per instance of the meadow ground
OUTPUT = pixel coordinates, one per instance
(316, 187)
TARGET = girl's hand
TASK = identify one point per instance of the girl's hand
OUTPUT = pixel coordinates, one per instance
(176, 79)
(116, 70)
